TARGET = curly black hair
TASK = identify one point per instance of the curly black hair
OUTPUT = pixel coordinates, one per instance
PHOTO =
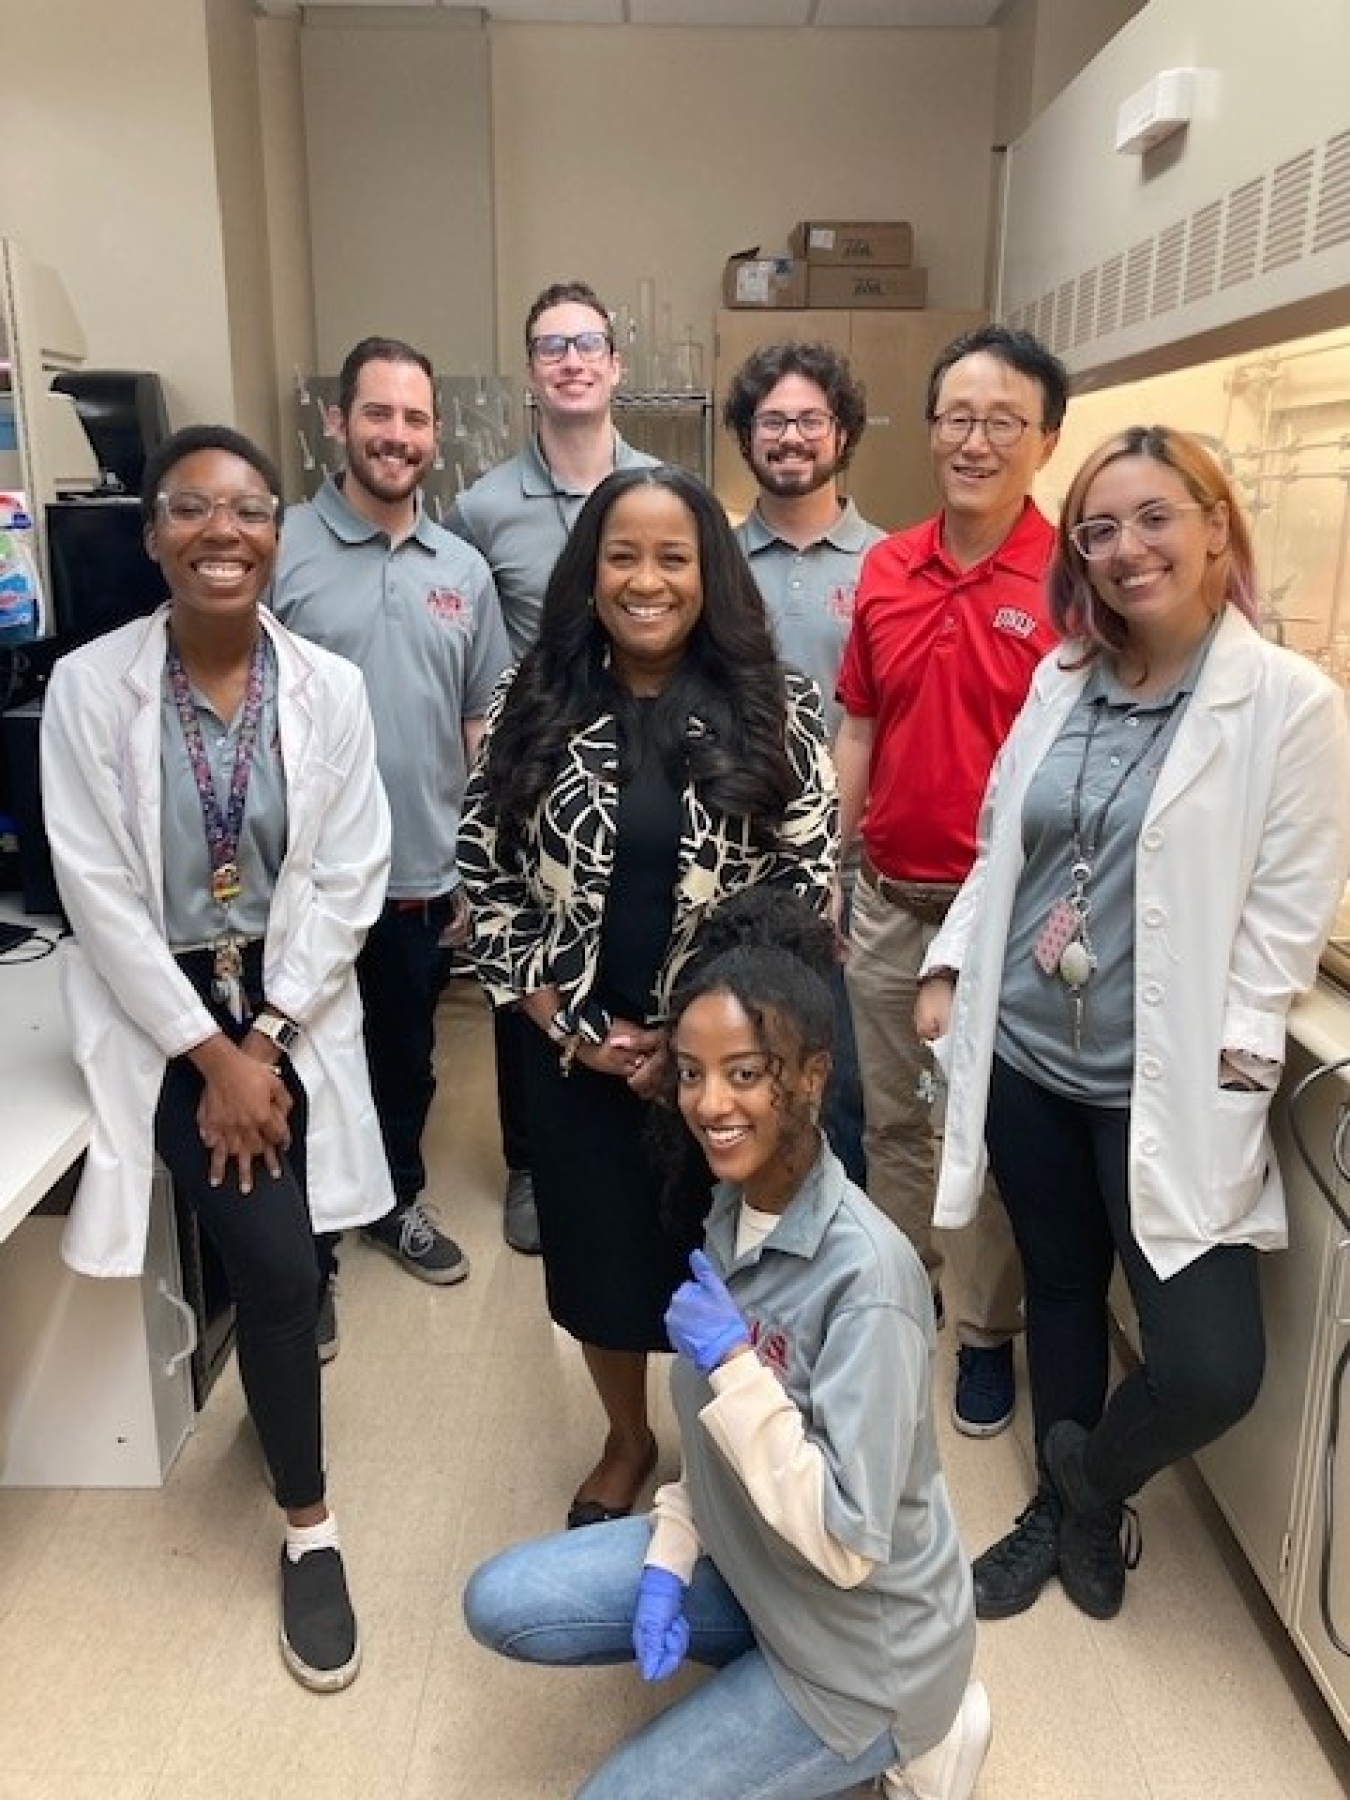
(730, 680)
(774, 954)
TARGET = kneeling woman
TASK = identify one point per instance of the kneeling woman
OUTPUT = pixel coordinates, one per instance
(808, 1552)
(221, 843)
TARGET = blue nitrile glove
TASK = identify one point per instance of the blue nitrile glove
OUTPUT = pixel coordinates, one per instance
(660, 1629)
(704, 1323)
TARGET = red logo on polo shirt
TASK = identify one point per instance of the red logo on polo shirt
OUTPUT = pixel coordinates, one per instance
(446, 604)
(1015, 620)
(771, 1347)
(840, 602)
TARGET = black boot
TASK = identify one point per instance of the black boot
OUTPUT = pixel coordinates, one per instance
(1098, 1538)
(1012, 1572)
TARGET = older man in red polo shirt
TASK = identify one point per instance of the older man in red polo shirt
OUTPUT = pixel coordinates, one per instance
(949, 622)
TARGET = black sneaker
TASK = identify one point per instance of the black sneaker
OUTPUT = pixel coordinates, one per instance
(1012, 1572)
(1099, 1540)
(986, 1391)
(408, 1235)
(327, 1329)
(320, 1644)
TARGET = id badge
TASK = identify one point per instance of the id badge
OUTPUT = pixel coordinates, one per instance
(1061, 927)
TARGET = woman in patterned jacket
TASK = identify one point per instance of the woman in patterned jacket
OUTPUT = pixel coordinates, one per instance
(650, 757)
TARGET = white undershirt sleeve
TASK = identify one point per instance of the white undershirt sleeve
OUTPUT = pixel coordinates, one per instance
(760, 1432)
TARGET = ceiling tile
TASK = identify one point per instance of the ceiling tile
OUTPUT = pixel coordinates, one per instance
(719, 12)
(936, 15)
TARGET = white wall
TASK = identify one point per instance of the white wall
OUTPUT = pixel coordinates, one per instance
(107, 172)
(396, 128)
(620, 154)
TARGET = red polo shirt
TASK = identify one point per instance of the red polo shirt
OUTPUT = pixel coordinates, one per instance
(941, 658)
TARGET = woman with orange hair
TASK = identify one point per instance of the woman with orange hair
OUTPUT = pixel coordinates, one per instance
(1164, 840)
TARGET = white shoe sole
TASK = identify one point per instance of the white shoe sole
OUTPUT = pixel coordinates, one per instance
(950, 1769)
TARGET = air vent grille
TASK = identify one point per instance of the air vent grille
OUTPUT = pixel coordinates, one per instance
(1332, 224)
(1299, 209)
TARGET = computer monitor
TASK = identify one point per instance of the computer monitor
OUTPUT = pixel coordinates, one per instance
(101, 573)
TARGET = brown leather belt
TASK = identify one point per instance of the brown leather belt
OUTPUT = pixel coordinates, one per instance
(927, 900)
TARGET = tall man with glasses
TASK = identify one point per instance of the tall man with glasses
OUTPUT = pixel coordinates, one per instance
(365, 571)
(949, 624)
(798, 415)
(518, 515)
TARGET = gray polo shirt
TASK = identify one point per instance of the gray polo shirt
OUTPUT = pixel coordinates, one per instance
(191, 916)
(809, 594)
(422, 622)
(518, 516)
(839, 1308)
(1117, 746)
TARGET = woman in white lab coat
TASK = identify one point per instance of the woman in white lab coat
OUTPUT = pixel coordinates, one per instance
(1163, 843)
(221, 843)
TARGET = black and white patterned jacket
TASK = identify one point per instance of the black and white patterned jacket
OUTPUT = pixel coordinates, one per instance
(538, 923)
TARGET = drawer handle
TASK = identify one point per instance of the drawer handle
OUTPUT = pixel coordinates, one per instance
(189, 1318)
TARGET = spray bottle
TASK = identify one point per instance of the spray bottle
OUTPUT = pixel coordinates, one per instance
(21, 610)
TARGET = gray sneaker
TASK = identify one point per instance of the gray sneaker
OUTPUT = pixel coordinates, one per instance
(408, 1235)
(520, 1218)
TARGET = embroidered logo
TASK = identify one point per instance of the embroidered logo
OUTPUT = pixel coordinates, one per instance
(446, 604)
(840, 601)
(1014, 619)
(771, 1347)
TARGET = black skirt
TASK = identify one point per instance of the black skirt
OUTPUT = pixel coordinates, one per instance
(610, 1263)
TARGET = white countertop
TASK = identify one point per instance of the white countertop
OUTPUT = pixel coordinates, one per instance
(44, 1110)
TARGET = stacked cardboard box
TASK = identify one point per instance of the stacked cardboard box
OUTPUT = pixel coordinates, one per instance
(860, 263)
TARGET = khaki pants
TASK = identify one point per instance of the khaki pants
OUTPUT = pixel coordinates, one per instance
(888, 942)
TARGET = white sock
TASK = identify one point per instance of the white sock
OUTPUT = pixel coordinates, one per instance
(300, 1538)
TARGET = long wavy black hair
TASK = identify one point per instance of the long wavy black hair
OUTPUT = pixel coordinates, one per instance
(720, 720)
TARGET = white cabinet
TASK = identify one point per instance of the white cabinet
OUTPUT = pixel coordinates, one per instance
(95, 1377)
(1282, 1475)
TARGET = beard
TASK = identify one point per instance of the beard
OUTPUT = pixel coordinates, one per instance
(384, 484)
(790, 480)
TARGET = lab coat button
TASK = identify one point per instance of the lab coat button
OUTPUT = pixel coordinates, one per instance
(1153, 993)
(1150, 1068)
(1154, 915)
(1152, 839)
(1149, 1146)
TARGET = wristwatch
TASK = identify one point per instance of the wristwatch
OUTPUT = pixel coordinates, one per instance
(284, 1033)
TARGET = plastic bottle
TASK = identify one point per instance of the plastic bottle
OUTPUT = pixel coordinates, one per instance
(21, 615)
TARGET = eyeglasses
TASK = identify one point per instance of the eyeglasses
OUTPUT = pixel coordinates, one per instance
(1002, 430)
(1098, 538)
(811, 426)
(552, 346)
(189, 506)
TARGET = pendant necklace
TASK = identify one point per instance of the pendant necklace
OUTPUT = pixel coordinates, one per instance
(222, 827)
(1063, 945)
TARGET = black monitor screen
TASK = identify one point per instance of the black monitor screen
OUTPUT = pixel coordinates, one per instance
(101, 574)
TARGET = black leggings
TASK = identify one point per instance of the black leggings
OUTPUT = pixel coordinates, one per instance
(266, 1245)
(1062, 1167)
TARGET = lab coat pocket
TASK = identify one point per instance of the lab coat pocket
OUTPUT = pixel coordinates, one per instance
(1240, 1153)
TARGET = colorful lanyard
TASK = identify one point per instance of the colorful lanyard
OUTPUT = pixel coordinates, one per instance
(222, 828)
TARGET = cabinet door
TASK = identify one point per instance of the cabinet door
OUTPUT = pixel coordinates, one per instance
(1253, 1470)
(736, 333)
(892, 353)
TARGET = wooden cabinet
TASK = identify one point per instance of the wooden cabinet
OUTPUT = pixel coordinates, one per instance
(891, 354)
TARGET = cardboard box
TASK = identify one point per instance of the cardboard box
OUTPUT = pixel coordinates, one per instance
(835, 243)
(859, 287)
(750, 279)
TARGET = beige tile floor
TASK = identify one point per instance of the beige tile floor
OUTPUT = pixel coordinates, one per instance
(137, 1630)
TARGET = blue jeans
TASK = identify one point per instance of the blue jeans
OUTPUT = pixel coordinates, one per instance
(570, 1599)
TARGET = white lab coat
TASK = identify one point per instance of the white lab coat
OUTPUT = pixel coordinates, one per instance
(130, 1007)
(1242, 857)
